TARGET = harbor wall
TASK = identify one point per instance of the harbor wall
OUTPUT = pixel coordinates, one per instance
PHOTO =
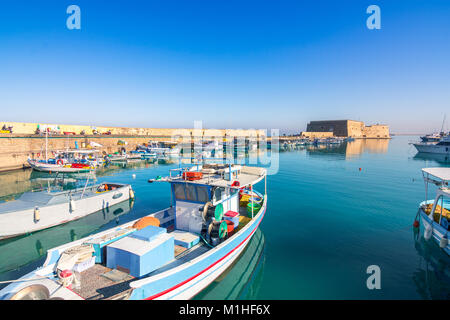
(314, 135)
(23, 143)
(23, 128)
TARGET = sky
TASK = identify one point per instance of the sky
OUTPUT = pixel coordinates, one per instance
(230, 64)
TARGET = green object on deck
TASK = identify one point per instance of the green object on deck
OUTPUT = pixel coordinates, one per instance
(256, 208)
(218, 212)
(223, 229)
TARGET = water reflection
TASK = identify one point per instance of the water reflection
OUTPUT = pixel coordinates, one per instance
(439, 159)
(14, 183)
(343, 150)
(359, 146)
(241, 280)
(22, 250)
(432, 274)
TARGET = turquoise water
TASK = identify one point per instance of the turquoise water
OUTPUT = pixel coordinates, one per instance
(331, 213)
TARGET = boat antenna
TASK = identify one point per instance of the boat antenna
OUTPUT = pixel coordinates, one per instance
(442, 127)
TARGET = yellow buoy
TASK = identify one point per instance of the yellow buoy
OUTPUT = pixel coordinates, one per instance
(37, 215)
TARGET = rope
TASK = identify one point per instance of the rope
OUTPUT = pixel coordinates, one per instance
(21, 280)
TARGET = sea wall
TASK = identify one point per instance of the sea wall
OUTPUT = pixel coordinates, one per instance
(23, 143)
(23, 128)
(314, 135)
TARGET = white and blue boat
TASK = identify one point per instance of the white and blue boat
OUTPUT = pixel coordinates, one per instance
(171, 254)
(435, 214)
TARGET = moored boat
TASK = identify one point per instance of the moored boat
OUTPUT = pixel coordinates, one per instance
(171, 254)
(34, 211)
(435, 214)
(441, 147)
(55, 166)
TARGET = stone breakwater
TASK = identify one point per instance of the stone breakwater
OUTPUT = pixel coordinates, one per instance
(16, 148)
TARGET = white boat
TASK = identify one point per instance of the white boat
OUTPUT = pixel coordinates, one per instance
(34, 211)
(143, 153)
(203, 252)
(435, 214)
(47, 166)
(442, 147)
(133, 156)
(117, 157)
(166, 149)
(82, 156)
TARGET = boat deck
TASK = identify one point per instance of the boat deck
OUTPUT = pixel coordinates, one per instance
(102, 283)
(95, 286)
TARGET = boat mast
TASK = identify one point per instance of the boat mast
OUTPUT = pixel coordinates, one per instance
(442, 127)
(46, 143)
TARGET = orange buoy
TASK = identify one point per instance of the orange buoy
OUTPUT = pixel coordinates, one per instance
(146, 221)
(359, 169)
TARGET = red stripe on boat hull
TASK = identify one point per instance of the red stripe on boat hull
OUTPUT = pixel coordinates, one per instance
(212, 265)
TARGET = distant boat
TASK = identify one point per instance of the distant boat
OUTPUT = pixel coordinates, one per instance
(435, 137)
(442, 147)
(34, 211)
(48, 166)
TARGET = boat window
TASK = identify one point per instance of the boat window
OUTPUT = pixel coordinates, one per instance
(218, 194)
(191, 195)
(178, 189)
(202, 193)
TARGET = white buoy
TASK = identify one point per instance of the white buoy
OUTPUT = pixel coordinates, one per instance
(444, 242)
(72, 205)
(134, 176)
(37, 215)
(427, 233)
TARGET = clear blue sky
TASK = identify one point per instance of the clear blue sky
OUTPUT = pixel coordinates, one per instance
(232, 64)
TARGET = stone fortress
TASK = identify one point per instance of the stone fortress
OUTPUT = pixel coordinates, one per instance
(345, 128)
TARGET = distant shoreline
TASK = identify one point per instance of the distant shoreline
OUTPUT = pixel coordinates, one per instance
(407, 134)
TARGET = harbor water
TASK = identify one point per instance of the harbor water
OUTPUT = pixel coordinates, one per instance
(332, 212)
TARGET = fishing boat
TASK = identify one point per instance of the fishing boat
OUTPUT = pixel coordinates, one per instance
(133, 156)
(116, 157)
(90, 157)
(39, 210)
(241, 281)
(164, 148)
(34, 246)
(143, 153)
(435, 214)
(53, 165)
(442, 147)
(171, 254)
